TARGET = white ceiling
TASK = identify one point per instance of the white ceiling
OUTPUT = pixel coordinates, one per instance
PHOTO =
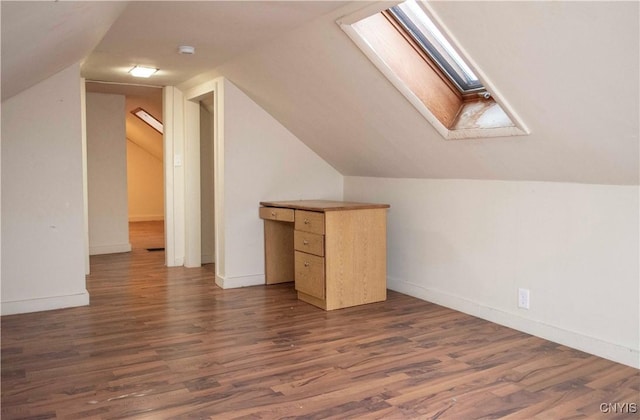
(569, 69)
(42, 38)
(149, 34)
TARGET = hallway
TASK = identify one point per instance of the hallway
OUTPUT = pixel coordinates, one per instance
(145, 235)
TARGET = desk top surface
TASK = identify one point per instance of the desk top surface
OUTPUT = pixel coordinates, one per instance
(323, 205)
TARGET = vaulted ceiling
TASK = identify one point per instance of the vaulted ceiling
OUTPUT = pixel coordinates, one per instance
(569, 69)
(41, 38)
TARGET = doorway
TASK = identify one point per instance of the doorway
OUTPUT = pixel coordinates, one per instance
(145, 167)
(140, 163)
(198, 140)
(207, 180)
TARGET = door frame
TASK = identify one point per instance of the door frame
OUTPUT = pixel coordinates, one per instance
(182, 174)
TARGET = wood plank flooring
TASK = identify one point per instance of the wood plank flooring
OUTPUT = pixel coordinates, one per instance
(160, 343)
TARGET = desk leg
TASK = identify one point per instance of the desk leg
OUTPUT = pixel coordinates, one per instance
(278, 251)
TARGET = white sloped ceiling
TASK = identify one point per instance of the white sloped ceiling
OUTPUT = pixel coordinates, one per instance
(569, 69)
(40, 38)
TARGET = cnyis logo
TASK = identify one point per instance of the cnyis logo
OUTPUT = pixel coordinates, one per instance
(619, 408)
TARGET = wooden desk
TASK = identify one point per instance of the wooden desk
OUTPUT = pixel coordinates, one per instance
(335, 251)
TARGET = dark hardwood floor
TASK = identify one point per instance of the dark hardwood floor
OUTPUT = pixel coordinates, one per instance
(160, 343)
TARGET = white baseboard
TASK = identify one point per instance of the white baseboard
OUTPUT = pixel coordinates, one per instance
(244, 281)
(109, 249)
(617, 353)
(44, 304)
(177, 262)
(147, 218)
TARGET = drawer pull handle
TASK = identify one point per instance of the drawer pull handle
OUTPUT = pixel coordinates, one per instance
(305, 242)
(306, 221)
(273, 213)
(306, 263)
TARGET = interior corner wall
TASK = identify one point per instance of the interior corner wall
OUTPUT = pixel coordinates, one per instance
(107, 174)
(469, 245)
(43, 248)
(262, 161)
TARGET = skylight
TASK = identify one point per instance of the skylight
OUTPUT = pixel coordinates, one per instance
(410, 47)
(432, 41)
(149, 119)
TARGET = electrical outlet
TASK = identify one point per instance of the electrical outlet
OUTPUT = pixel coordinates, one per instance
(523, 298)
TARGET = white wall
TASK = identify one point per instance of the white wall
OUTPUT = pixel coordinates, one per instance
(144, 161)
(174, 176)
(207, 199)
(262, 161)
(42, 197)
(470, 245)
(107, 174)
(144, 184)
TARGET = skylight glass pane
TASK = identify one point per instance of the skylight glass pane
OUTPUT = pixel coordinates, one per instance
(149, 119)
(411, 16)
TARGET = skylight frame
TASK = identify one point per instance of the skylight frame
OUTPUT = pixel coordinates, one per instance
(350, 22)
(149, 119)
(419, 26)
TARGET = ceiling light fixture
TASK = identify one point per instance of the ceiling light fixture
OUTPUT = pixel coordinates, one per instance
(140, 71)
(186, 49)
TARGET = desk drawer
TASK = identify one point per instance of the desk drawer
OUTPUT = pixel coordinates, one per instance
(309, 243)
(310, 221)
(276, 213)
(309, 274)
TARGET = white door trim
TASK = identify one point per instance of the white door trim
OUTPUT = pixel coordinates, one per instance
(192, 176)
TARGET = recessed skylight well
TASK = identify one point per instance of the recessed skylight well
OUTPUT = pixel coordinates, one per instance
(406, 43)
(149, 119)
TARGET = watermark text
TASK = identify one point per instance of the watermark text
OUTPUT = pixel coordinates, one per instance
(619, 408)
